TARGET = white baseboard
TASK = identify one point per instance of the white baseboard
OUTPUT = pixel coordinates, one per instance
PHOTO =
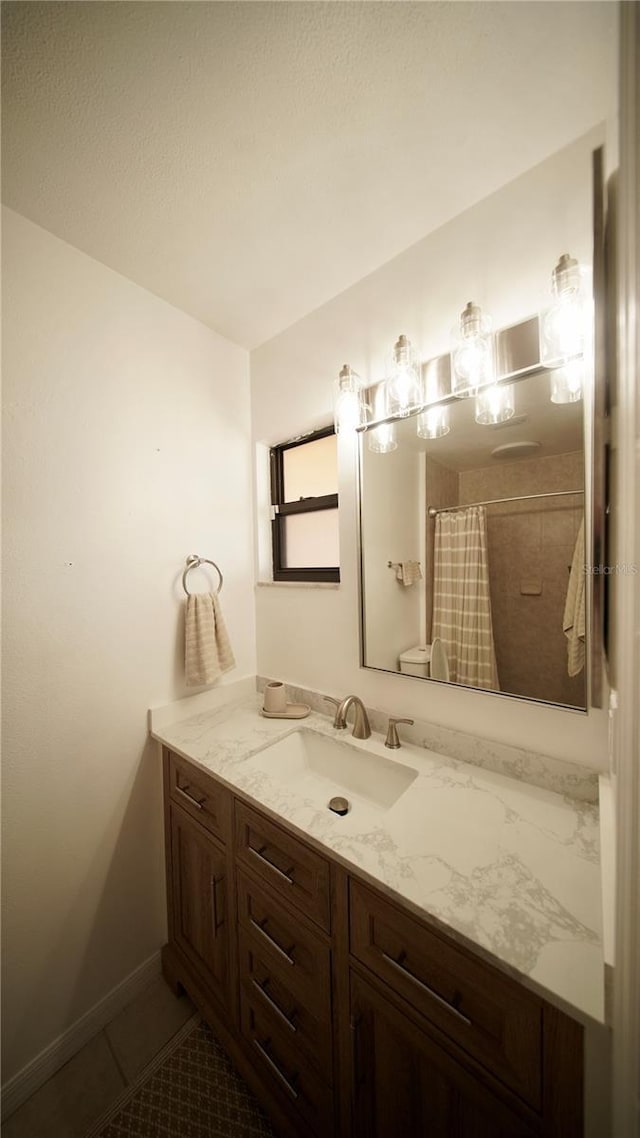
(19, 1088)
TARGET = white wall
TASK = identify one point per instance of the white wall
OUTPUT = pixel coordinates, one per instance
(500, 253)
(391, 506)
(126, 448)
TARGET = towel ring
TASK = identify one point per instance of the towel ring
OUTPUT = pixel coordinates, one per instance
(192, 563)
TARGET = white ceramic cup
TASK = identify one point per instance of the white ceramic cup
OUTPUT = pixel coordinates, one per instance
(275, 697)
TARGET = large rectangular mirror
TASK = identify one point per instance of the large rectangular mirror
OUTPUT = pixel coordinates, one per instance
(473, 546)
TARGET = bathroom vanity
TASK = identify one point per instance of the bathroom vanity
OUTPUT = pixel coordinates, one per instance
(348, 1003)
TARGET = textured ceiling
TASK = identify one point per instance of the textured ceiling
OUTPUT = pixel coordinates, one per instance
(248, 161)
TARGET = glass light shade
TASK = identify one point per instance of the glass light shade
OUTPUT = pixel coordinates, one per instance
(349, 407)
(404, 388)
(473, 364)
(382, 439)
(563, 324)
(495, 404)
(433, 423)
(567, 382)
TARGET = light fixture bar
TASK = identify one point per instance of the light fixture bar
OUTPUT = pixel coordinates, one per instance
(517, 355)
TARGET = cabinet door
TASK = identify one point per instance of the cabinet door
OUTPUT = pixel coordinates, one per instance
(405, 1084)
(200, 913)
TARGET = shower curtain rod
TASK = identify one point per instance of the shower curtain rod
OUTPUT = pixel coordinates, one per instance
(433, 510)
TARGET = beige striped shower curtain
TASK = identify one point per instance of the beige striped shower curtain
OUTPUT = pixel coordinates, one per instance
(461, 597)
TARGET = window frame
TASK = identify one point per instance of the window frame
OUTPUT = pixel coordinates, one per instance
(280, 510)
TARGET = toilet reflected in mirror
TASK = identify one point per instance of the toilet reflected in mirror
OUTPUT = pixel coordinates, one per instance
(427, 661)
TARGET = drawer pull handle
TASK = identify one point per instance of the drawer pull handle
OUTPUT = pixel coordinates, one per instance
(272, 942)
(270, 1000)
(275, 1068)
(260, 854)
(197, 802)
(425, 987)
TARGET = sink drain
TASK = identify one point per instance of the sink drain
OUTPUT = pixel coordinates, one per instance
(339, 805)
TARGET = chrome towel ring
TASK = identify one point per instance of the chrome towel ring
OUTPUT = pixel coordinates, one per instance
(193, 561)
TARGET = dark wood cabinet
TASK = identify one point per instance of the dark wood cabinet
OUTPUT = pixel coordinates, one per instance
(407, 1084)
(200, 917)
(349, 1015)
(201, 797)
(496, 1021)
(289, 866)
(285, 1068)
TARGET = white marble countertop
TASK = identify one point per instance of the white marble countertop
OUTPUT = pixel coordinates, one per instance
(510, 870)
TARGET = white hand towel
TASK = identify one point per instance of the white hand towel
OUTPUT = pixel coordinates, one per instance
(207, 651)
(573, 623)
(409, 572)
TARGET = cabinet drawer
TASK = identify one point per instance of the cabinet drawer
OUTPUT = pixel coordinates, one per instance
(287, 945)
(285, 1068)
(298, 873)
(267, 984)
(200, 796)
(493, 1019)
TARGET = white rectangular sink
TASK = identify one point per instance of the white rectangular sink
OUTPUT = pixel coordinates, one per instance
(317, 767)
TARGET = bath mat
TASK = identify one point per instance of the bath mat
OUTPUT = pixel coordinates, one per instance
(190, 1090)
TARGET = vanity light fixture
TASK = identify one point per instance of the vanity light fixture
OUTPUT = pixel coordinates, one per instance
(433, 422)
(495, 404)
(404, 388)
(567, 382)
(563, 323)
(382, 439)
(473, 361)
(349, 407)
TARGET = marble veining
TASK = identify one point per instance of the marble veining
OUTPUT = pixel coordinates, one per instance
(509, 869)
(544, 771)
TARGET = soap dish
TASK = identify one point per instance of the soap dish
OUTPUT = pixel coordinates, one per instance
(293, 711)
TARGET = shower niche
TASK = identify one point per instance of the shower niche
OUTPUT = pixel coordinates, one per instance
(474, 543)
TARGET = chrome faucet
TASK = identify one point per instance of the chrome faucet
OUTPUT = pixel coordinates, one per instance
(361, 728)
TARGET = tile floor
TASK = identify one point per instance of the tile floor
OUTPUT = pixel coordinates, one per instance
(75, 1097)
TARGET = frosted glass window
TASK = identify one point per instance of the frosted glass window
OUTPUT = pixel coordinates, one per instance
(311, 540)
(304, 493)
(311, 469)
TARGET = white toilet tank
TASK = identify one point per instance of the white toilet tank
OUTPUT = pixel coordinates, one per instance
(415, 661)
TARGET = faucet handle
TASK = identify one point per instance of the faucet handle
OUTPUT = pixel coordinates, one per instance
(339, 720)
(392, 739)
